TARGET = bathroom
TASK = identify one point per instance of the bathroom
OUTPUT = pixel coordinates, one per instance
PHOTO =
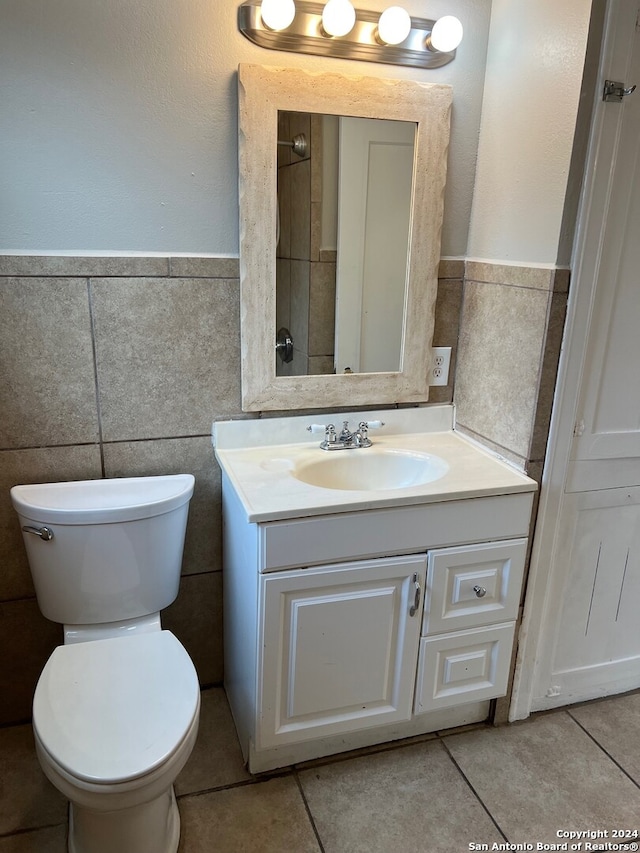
(119, 267)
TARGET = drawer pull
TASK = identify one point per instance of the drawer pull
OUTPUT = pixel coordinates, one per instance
(416, 601)
(480, 591)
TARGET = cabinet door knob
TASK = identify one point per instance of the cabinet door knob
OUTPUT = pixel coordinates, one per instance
(480, 591)
(416, 601)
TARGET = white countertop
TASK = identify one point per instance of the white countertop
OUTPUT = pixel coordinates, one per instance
(259, 468)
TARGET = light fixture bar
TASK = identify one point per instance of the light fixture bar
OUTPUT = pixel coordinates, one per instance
(305, 35)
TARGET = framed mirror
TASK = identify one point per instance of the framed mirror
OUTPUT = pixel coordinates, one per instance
(353, 272)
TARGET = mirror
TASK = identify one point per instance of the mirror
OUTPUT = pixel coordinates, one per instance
(267, 93)
(344, 190)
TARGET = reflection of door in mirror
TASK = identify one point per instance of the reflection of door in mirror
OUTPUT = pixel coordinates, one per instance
(305, 268)
(350, 189)
(374, 216)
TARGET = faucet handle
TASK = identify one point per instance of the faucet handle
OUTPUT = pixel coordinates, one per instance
(316, 428)
(371, 424)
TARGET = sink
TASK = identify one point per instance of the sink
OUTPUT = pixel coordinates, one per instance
(370, 469)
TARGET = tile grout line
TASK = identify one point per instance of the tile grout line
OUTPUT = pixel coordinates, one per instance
(308, 810)
(472, 789)
(599, 745)
(28, 829)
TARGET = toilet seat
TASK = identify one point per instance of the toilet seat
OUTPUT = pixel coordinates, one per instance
(111, 711)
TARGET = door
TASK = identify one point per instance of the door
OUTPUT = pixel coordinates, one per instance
(580, 632)
(340, 648)
(374, 217)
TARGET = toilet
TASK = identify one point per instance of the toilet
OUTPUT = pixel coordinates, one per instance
(116, 708)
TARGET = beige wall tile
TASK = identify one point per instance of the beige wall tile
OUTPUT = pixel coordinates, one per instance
(548, 374)
(301, 210)
(62, 265)
(168, 355)
(283, 293)
(203, 544)
(446, 331)
(205, 267)
(27, 640)
(320, 365)
(47, 382)
(501, 337)
(516, 276)
(283, 249)
(42, 465)
(451, 268)
(196, 619)
(28, 799)
(300, 273)
(322, 309)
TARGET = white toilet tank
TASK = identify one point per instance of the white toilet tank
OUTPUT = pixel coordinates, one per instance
(115, 546)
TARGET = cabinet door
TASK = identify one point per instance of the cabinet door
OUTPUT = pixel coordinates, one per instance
(339, 648)
(473, 585)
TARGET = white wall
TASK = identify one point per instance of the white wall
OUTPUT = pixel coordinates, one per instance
(532, 89)
(118, 121)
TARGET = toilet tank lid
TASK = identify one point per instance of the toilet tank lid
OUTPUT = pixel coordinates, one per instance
(102, 501)
(113, 710)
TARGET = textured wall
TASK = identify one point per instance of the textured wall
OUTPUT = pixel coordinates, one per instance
(531, 97)
(119, 121)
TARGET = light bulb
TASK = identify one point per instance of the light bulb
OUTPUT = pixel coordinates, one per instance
(446, 34)
(394, 25)
(277, 14)
(338, 17)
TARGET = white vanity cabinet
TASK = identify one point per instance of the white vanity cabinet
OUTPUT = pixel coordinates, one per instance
(360, 627)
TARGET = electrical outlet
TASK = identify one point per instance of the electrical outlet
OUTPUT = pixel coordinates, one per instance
(440, 362)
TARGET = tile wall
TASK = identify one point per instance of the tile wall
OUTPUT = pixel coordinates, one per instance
(114, 367)
(117, 367)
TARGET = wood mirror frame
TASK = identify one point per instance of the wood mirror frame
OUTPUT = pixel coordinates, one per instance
(262, 91)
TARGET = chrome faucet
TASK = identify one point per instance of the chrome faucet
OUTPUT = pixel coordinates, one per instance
(346, 440)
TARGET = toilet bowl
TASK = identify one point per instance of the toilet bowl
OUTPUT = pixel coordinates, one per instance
(116, 708)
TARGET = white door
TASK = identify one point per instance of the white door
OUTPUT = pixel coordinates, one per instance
(581, 635)
(374, 214)
(340, 648)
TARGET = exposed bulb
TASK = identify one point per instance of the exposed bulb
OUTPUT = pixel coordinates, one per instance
(277, 14)
(394, 25)
(338, 18)
(446, 34)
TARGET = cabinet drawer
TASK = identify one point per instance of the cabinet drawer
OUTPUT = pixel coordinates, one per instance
(464, 666)
(473, 585)
(397, 530)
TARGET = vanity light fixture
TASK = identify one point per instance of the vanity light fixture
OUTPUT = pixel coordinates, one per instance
(337, 29)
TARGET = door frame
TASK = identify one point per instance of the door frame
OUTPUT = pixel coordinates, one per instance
(541, 610)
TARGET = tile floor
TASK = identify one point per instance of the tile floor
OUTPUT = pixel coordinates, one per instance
(572, 769)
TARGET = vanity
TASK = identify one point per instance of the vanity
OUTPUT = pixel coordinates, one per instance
(359, 615)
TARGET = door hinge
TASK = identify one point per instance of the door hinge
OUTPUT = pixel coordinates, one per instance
(578, 429)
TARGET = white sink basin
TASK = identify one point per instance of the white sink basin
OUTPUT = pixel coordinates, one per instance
(370, 469)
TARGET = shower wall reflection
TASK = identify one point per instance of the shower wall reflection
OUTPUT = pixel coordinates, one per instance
(306, 249)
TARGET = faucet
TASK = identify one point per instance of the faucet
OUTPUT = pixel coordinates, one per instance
(346, 440)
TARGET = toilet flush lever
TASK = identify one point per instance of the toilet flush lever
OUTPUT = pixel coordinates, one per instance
(45, 533)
